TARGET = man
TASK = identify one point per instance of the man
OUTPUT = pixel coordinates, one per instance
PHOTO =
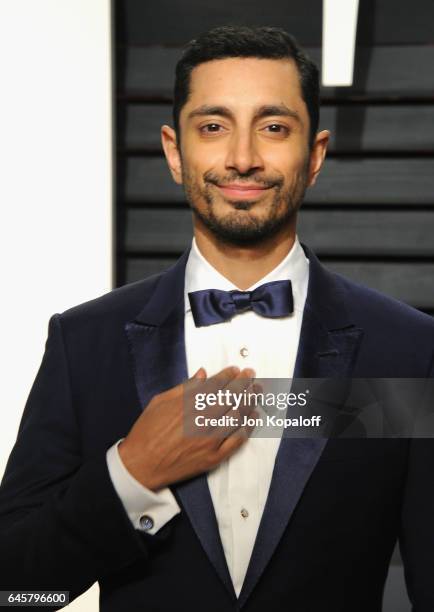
(103, 485)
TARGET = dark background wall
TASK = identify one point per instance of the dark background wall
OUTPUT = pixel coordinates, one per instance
(371, 214)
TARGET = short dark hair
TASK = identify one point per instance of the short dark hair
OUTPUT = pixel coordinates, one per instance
(242, 41)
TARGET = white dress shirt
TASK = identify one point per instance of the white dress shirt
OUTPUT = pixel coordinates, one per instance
(239, 485)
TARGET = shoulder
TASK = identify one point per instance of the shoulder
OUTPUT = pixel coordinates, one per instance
(115, 307)
(398, 340)
(369, 306)
(395, 339)
(345, 299)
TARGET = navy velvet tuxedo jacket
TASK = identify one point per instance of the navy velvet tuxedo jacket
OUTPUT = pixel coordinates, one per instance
(335, 508)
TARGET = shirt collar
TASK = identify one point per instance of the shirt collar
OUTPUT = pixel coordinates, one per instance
(200, 274)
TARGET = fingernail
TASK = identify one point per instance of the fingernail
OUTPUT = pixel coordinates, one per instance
(201, 371)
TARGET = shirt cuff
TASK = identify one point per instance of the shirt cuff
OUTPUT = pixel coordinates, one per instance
(148, 510)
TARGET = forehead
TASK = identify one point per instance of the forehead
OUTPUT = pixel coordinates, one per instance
(245, 82)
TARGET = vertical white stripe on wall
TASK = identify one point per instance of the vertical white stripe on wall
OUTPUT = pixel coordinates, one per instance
(56, 183)
(338, 42)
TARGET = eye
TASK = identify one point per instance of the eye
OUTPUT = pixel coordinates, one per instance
(211, 128)
(277, 128)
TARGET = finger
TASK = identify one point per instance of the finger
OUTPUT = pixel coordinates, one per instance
(197, 380)
(228, 397)
(227, 400)
(227, 373)
(199, 393)
(224, 375)
(237, 386)
(208, 394)
(191, 386)
(252, 399)
(220, 420)
(194, 381)
(234, 425)
(201, 373)
(234, 441)
(218, 381)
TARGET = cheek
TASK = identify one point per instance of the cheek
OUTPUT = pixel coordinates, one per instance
(285, 160)
(204, 156)
(192, 169)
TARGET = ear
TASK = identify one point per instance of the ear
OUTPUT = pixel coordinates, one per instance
(171, 151)
(317, 155)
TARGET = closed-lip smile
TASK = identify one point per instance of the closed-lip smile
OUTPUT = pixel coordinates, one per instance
(242, 191)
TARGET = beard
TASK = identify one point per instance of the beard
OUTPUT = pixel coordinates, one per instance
(245, 229)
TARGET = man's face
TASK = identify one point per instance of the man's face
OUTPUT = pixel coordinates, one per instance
(244, 153)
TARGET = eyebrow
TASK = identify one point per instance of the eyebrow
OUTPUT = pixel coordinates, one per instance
(267, 110)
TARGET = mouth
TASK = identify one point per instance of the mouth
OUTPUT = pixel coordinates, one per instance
(238, 191)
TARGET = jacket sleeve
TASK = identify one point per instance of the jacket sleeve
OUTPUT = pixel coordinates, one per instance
(417, 525)
(62, 524)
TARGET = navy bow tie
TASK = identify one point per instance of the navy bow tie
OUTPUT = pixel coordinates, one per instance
(211, 306)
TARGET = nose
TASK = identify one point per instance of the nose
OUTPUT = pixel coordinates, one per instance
(243, 155)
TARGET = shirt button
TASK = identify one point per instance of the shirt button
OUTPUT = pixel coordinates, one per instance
(244, 513)
(244, 351)
(146, 523)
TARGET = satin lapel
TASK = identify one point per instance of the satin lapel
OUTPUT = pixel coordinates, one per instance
(327, 349)
(157, 346)
(194, 495)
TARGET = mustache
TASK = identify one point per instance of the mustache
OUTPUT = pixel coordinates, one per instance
(236, 177)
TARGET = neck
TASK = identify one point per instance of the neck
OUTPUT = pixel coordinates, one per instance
(244, 266)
